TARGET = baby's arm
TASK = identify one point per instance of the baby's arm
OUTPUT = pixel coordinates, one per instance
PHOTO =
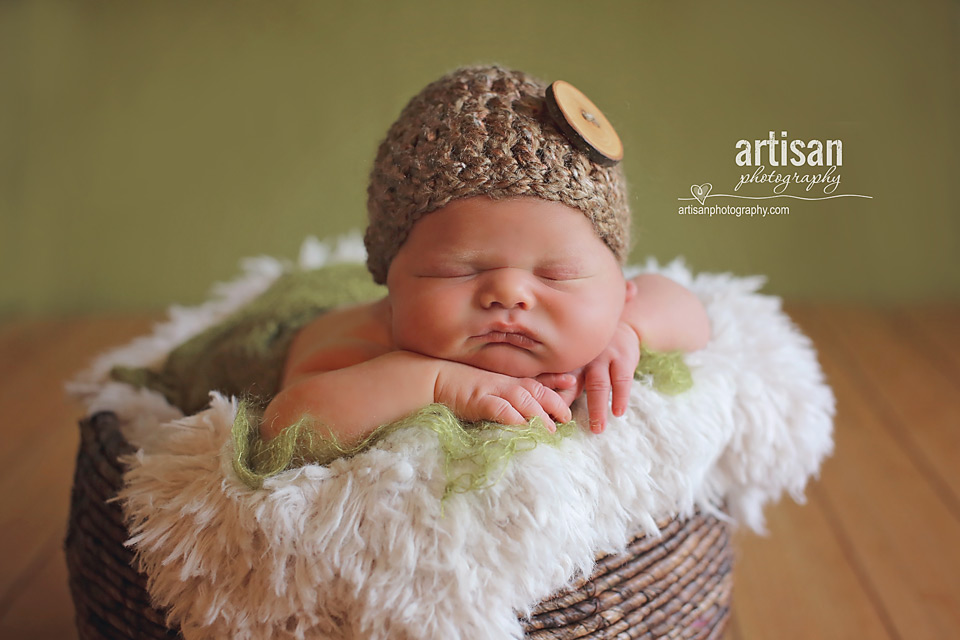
(665, 315)
(661, 314)
(354, 400)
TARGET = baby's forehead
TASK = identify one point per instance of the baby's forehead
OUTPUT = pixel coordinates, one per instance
(500, 247)
(525, 227)
(542, 253)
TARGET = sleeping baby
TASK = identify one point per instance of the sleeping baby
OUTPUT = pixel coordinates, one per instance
(500, 232)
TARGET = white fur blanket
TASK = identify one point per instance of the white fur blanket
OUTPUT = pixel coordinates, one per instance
(359, 549)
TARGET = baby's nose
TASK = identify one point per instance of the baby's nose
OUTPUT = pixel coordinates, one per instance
(506, 288)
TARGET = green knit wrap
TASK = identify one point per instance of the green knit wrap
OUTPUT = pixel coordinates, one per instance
(244, 354)
(474, 454)
(666, 370)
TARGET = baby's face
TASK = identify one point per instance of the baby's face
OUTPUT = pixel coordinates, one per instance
(520, 287)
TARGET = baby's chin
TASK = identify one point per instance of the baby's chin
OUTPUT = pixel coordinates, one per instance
(510, 361)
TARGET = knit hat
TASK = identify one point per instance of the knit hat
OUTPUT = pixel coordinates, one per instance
(483, 130)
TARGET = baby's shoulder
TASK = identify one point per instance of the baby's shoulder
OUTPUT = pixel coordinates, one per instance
(340, 337)
(366, 320)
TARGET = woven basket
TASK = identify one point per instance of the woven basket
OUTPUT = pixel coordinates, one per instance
(677, 586)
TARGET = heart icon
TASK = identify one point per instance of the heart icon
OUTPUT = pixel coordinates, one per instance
(701, 191)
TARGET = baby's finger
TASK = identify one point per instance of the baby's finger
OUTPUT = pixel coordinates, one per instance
(557, 380)
(568, 396)
(524, 402)
(499, 410)
(552, 401)
(621, 377)
(597, 385)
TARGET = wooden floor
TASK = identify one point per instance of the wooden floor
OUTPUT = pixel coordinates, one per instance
(875, 552)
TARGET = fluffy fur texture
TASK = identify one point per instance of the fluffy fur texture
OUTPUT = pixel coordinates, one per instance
(359, 548)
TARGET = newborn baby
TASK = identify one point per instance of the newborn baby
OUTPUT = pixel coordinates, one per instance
(501, 245)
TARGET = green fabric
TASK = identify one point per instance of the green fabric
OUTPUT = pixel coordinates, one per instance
(666, 369)
(244, 354)
(472, 452)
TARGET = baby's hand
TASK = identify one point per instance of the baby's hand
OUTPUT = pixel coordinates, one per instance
(567, 385)
(612, 369)
(476, 394)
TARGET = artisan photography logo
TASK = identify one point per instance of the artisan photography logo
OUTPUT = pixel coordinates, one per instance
(772, 169)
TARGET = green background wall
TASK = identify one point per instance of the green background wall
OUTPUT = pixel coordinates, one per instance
(145, 147)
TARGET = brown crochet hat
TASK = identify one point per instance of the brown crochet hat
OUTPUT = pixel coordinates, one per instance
(484, 130)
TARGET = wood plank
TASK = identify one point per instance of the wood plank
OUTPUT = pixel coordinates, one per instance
(797, 583)
(18, 342)
(44, 356)
(935, 330)
(37, 472)
(32, 395)
(898, 529)
(14, 338)
(43, 609)
(36, 498)
(913, 392)
(733, 626)
(732, 632)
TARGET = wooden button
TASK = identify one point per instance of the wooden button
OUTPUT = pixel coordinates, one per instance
(583, 124)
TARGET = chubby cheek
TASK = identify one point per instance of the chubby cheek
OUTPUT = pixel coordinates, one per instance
(588, 331)
(426, 323)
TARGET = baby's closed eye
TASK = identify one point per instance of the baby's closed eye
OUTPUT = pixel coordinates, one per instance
(558, 276)
(447, 271)
(561, 273)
